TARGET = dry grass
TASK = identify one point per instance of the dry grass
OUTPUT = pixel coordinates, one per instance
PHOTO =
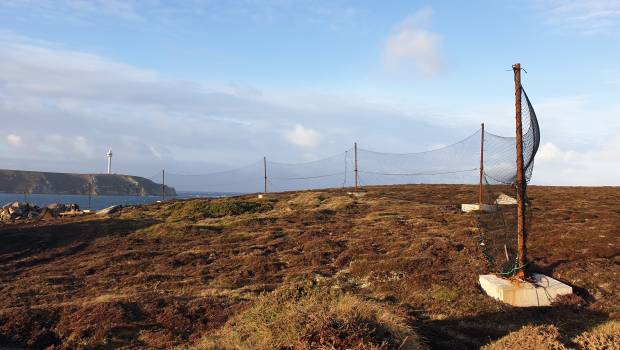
(304, 319)
(603, 337)
(175, 273)
(530, 337)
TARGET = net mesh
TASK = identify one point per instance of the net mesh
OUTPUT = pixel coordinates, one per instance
(498, 229)
(458, 163)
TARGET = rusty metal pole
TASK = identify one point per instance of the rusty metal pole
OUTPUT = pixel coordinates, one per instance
(356, 171)
(481, 164)
(265, 172)
(520, 183)
(163, 185)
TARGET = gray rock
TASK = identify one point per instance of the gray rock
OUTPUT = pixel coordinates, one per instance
(57, 208)
(15, 211)
(110, 210)
(5, 216)
(18, 205)
(73, 207)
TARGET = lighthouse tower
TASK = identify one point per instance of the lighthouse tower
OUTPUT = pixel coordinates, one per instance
(109, 155)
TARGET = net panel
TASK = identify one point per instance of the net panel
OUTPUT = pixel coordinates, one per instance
(457, 163)
(498, 229)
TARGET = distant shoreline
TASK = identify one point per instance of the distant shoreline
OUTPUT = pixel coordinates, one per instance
(22, 181)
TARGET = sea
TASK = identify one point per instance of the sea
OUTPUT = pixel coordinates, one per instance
(100, 202)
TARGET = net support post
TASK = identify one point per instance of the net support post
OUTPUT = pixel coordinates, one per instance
(480, 206)
(520, 180)
(265, 174)
(163, 185)
(356, 170)
(480, 193)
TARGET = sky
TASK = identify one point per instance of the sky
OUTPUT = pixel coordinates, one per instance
(199, 86)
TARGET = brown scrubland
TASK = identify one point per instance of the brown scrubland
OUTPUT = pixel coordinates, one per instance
(396, 268)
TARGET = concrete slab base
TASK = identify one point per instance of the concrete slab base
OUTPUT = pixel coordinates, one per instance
(357, 194)
(478, 207)
(523, 294)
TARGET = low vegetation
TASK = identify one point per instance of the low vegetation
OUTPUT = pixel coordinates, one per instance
(313, 318)
(396, 268)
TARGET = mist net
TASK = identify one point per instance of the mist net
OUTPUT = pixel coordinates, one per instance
(498, 229)
(458, 163)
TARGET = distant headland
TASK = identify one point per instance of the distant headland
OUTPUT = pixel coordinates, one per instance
(20, 181)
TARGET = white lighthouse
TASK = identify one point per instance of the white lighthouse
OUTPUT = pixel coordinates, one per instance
(109, 155)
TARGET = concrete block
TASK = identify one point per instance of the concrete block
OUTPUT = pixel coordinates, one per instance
(357, 194)
(478, 207)
(541, 292)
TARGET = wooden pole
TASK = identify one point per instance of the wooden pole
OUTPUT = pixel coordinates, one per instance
(90, 191)
(356, 170)
(480, 200)
(265, 172)
(520, 181)
(163, 185)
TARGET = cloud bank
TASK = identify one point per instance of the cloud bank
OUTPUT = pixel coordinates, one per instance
(586, 17)
(412, 44)
(67, 107)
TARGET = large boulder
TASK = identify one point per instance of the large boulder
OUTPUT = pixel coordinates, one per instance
(57, 208)
(16, 211)
(110, 210)
(5, 216)
(73, 207)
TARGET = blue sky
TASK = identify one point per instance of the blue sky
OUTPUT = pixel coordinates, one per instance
(195, 86)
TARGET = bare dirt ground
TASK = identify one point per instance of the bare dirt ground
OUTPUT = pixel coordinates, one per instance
(173, 274)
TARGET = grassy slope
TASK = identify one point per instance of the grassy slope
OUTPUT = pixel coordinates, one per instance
(176, 273)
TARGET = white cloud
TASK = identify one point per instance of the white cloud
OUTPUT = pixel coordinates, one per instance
(587, 17)
(61, 144)
(599, 166)
(153, 121)
(14, 140)
(155, 151)
(412, 44)
(548, 152)
(76, 11)
(303, 137)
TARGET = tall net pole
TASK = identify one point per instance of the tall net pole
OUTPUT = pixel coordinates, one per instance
(265, 173)
(163, 185)
(356, 170)
(520, 183)
(481, 164)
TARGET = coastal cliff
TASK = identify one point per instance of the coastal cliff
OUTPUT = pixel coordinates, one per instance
(19, 181)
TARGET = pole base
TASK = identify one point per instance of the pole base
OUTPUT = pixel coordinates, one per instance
(541, 292)
(357, 194)
(478, 207)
